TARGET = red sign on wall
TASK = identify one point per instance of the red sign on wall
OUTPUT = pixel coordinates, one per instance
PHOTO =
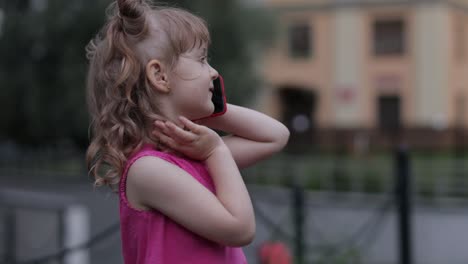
(346, 94)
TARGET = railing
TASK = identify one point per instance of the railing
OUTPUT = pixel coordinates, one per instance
(434, 176)
(21, 213)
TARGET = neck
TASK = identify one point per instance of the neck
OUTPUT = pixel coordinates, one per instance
(170, 114)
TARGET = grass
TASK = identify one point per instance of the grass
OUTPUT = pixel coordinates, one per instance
(433, 174)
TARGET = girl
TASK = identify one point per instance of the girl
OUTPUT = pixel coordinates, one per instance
(182, 198)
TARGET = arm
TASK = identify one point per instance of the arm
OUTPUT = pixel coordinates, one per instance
(227, 217)
(254, 136)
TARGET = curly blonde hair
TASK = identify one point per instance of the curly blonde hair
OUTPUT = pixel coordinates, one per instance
(120, 100)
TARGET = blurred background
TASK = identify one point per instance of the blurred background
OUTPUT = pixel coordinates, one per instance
(374, 93)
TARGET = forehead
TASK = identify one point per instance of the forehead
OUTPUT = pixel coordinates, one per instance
(197, 50)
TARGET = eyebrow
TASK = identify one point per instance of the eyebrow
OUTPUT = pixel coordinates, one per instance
(204, 51)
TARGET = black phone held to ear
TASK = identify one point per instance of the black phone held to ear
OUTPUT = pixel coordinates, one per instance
(219, 97)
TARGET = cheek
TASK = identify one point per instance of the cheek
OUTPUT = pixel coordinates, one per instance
(189, 71)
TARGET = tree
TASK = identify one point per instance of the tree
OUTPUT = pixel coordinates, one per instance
(43, 64)
(42, 69)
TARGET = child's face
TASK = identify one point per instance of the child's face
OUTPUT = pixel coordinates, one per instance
(191, 83)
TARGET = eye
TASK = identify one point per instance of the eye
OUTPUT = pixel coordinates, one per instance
(204, 59)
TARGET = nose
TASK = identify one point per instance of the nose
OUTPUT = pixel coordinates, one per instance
(213, 73)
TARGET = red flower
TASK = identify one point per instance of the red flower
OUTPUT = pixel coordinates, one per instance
(274, 253)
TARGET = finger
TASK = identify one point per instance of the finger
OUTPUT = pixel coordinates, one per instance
(180, 134)
(177, 134)
(159, 124)
(160, 144)
(162, 127)
(189, 124)
(166, 140)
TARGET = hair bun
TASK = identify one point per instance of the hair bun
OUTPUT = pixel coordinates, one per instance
(132, 16)
(132, 9)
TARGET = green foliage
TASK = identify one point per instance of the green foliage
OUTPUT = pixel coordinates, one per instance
(372, 181)
(43, 65)
(42, 69)
(341, 178)
(349, 256)
(313, 183)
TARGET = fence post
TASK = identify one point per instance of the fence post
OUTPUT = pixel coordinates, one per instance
(298, 206)
(403, 193)
(10, 235)
(73, 228)
(76, 224)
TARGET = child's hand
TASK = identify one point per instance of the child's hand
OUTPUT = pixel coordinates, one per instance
(196, 141)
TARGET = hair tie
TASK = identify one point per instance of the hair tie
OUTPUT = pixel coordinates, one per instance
(121, 22)
(120, 18)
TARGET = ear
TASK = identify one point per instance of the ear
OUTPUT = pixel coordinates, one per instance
(157, 77)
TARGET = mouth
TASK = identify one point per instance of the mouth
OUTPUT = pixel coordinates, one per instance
(211, 89)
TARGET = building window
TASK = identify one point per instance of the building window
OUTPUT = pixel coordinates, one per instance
(460, 125)
(300, 40)
(389, 37)
(460, 111)
(389, 113)
(298, 115)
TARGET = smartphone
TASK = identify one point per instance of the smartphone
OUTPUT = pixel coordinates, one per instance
(219, 97)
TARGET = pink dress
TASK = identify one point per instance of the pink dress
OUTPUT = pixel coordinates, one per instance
(149, 237)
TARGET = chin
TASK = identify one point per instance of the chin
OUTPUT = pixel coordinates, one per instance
(203, 114)
(212, 108)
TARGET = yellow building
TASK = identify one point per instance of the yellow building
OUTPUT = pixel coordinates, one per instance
(371, 66)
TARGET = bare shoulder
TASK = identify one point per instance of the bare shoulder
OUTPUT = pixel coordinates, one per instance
(148, 165)
(147, 177)
(154, 183)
